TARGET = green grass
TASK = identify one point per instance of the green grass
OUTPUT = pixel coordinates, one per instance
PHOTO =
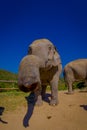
(61, 84)
(12, 100)
(6, 75)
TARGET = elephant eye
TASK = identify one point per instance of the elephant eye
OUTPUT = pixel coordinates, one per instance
(49, 48)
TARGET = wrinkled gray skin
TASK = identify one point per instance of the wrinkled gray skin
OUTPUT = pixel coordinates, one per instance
(75, 71)
(29, 75)
(49, 71)
(45, 50)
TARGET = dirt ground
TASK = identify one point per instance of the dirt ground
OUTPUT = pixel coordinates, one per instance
(69, 114)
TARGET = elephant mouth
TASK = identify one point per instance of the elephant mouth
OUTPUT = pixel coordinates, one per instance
(33, 87)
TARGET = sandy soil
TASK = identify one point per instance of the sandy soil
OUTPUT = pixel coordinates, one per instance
(69, 114)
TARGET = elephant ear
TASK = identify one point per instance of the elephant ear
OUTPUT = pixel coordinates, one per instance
(51, 52)
(56, 57)
(53, 58)
(56, 60)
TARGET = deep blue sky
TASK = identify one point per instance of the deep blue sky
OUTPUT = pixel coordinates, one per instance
(64, 22)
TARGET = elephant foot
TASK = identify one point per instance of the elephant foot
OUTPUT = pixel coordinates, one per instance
(39, 101)
(70, 93)
(53, 102)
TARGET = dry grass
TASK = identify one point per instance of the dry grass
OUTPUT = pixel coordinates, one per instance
(12, 100)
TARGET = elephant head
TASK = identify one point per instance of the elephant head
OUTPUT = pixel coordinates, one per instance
(44, 49)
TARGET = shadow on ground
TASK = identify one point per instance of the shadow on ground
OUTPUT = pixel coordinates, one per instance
(47, 98)
(84, 107)
(30, 107)
(1, 113)
(83, 91)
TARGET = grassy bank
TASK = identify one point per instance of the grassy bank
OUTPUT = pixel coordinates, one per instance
(12, 100)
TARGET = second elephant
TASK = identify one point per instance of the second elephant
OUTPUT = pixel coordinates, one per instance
(75, 71)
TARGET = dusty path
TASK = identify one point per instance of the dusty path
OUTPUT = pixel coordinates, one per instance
(70, 114)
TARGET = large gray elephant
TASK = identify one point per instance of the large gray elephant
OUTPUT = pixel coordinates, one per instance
(45, 50)
(75, 71)
(50, 70)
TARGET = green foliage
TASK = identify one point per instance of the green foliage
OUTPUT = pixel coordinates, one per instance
(76, 85)
(6, 75)
(61, 85)
(79, 85)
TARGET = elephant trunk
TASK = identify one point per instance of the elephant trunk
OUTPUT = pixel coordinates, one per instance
(28, 75)
(28, 88)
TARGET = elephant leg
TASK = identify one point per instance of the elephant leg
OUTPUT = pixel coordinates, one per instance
(38, 97)
(43, 91)
(54, 91)
(70, 87)
(86, 83)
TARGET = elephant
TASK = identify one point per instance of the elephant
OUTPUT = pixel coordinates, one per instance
(75, 71)
(46, 73)
(45, 50)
